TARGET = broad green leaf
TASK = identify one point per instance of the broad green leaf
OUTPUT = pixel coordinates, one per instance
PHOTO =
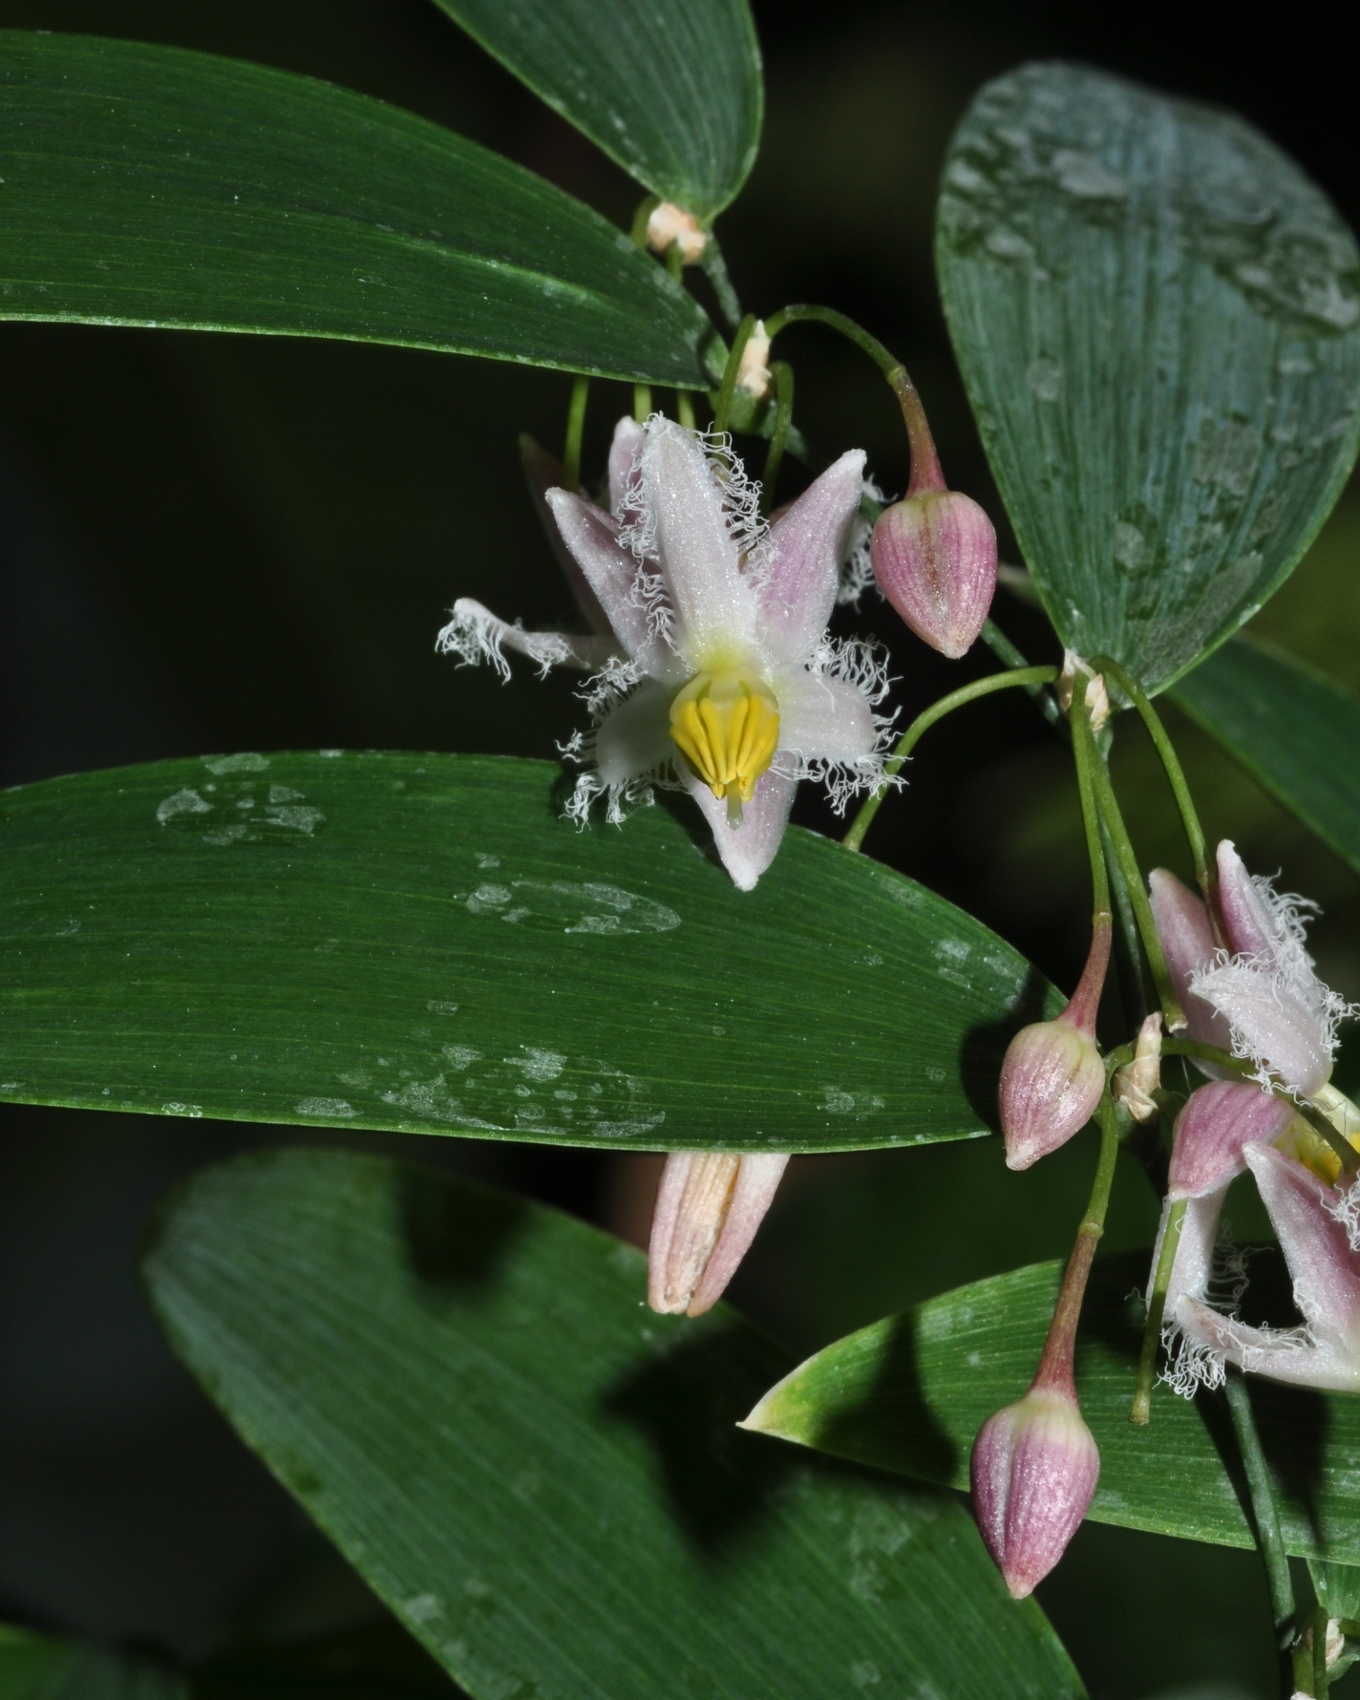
(421, 942)
(911, 1392)
(1158, 321)
(542, 1478)
(45, 1667)
(1337, 1586)
(1294, 730)
(152, 186)
(671, 89)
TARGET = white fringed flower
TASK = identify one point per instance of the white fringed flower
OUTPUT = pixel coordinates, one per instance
(711, 666)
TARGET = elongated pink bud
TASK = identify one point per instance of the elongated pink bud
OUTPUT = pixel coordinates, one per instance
(1187, 941)
(708, 1208)
(1052, 1075)
(1034, 1472)
(934, 556)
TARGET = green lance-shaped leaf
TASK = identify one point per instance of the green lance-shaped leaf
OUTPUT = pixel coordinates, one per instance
(1291, 728)
(670, 89)
(543, 1479)
(421, 942)
(910, 1393)
(46, 1667)
(146, 185)
(1158, 321)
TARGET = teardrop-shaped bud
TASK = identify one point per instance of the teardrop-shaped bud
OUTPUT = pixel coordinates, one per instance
(934, 556)
(1051, 1081)
(708, 1208)
(1052, 1075)
(1034, 1472)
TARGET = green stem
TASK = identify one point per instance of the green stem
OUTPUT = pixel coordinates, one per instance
(1133, 879)
(1141, 1410)
(1320, 1682)
(1175, 773)
(576, 424)
(925, 462)
(675, 262)
(1128, 959)
(1055, 1366)
(1025, 676)
(640, 219)
(781, 375)
(684, 409)
(715, 268)
(1087, 763)
(722, 410)
(1006, 652)
(642, 402)
(1265, 1514)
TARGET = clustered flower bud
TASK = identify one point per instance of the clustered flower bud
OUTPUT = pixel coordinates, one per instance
(1052, 1075)
(934, 552)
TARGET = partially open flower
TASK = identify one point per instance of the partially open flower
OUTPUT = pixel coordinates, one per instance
(1225, 1129)
(1052, 1075)
(708, 1208)
(1034, 1471)
(714, 672)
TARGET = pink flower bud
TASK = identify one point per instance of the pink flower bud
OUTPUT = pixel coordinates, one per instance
(1052, 1074)
(708, 1208)
(934, 556)
(1187, 941)
(1034, 1473)
(1213, 1130)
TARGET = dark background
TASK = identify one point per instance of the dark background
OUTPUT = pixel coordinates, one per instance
(216, 543)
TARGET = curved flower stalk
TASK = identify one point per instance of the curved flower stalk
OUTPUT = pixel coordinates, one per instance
(711, 666)
(1225, 1129)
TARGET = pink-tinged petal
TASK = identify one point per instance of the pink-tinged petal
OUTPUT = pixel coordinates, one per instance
(800, 564)
(635, 737)
(1192, 1267)
(1218, 1122)
(1288, 1357)
(1278, 1023)
(714, 606)
(821, 716)
(1249, 924)
(611, 572)
(629, 437)
(475, 634)
(1325, 1271)
(747, 850)
(543, 473)
(757, 1181)
(1187, 942)
(708, 1208)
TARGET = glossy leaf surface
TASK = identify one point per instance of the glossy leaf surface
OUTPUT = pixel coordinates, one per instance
(147, 185)
(1293, 729)
(911, 1392)
(542, 1478)
(1158, 321)
(45, 1667)
(423, 943)
(671, 89)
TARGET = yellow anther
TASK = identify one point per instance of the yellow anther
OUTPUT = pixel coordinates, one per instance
(727, 729)
(1308, 1147)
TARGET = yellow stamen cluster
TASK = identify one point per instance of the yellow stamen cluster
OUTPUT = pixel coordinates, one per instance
(1308, 1147)
(727, 729)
